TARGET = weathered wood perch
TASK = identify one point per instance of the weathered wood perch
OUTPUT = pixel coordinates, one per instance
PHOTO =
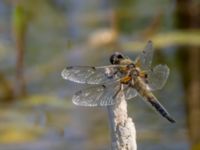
(123, 133)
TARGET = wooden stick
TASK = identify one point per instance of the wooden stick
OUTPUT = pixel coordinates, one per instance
(123, 133)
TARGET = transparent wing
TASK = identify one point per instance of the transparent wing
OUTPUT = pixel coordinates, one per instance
(157, 77)
(145, 58)
(91, 75)
(101, 95)
(129, 92)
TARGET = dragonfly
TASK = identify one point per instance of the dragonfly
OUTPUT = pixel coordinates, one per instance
(133, 78)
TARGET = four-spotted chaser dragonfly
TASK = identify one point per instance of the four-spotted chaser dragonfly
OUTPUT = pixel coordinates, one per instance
(133, 77)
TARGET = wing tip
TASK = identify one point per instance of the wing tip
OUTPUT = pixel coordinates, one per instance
(63, 74)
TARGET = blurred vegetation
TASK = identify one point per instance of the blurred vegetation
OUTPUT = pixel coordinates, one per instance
(20, 24)
(39, 38)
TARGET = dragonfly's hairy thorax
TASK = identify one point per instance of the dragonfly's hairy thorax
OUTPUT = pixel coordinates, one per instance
(126, 62)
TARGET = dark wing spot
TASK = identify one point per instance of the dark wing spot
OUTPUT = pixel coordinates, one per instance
(93, 68)
(78, 93)
(103, 86)
(69, 67)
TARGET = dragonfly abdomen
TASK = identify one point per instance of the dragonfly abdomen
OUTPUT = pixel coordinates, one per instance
(147, 95)
(160, 109)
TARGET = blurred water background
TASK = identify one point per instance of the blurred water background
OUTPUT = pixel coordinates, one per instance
(39, 38)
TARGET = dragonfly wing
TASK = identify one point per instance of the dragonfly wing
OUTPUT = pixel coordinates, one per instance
(100, 95)
(129, 92)
(90, 75)
(157, 77)
(145, 58)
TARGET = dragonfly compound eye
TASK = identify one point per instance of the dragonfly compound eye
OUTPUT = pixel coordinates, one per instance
(116, 57)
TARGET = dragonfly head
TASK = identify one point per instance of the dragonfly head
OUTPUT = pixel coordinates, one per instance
(116, 58)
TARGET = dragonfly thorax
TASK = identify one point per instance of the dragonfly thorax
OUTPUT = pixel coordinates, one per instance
(135, 73)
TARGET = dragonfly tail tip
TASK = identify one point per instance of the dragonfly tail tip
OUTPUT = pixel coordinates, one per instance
(171, 119)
